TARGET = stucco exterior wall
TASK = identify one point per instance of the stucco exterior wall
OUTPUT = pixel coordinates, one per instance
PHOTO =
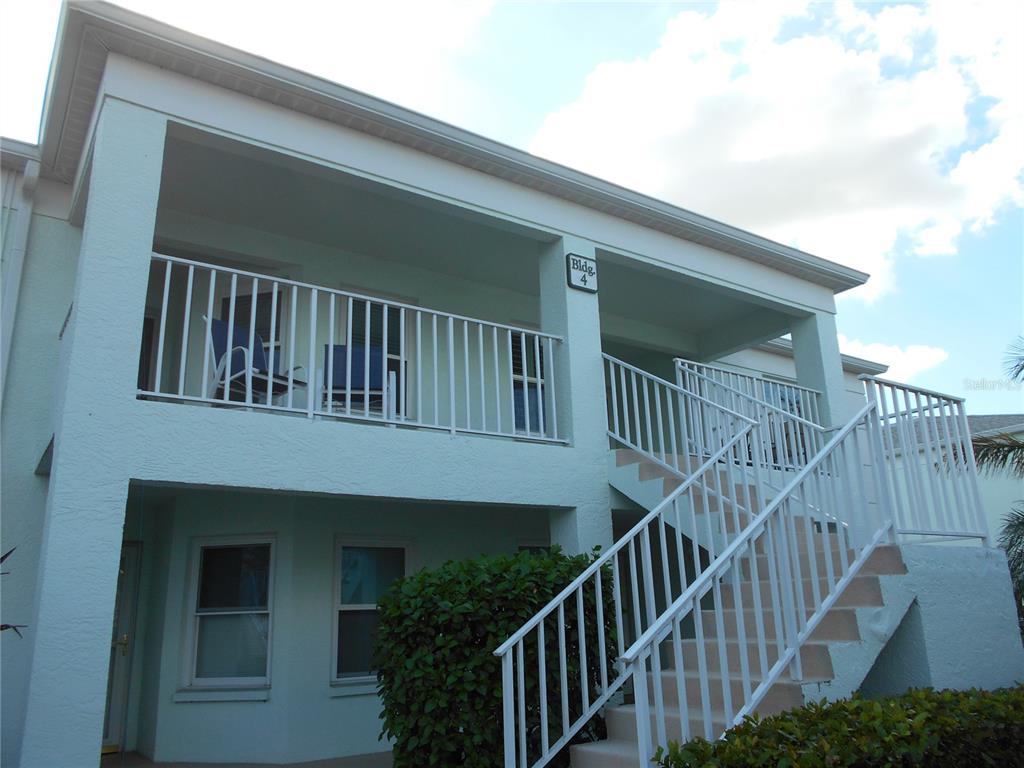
(961, 630)
(302, 716)
(27, 426)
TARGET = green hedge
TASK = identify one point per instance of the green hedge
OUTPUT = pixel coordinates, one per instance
(938, 729)
(438, 678)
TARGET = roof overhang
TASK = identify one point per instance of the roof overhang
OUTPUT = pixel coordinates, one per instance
(851, 364)
(15, 155)
(88, 31)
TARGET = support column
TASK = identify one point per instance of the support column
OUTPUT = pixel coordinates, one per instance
(94, 437)
(579, 380)
(819, 365)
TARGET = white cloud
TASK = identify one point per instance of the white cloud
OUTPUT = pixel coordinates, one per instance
(904, 362)
(846, 141)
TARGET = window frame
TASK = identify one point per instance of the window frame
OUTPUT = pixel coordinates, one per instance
(191, 660)
(340, 542)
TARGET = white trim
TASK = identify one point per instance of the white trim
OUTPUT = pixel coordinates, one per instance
(340, 541)
(188, 667)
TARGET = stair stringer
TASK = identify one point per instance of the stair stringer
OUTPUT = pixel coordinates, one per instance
(853, 660)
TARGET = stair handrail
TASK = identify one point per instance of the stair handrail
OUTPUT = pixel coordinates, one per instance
(755, 527)
(660, 431)
(680, 362)
(814, 394)
(794, 626)
(701, 491)
(929, 462)
(616, 547)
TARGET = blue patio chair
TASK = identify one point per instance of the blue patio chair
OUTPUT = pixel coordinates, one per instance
(244, 375)
(336, 386)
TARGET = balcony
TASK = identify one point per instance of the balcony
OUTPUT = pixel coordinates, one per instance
(224, 337)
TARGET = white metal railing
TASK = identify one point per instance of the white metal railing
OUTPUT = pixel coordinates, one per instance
(928, 462)
(785, 440)
(235, 338)
(806, 562)
(672, 425)
(791, 398)
(629, 585)
(717, 589)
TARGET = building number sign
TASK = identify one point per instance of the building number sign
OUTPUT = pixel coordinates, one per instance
(582, 272)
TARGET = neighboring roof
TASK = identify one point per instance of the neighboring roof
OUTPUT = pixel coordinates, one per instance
(996, 423)
(851, 364)
(15, 154)
(89, 30)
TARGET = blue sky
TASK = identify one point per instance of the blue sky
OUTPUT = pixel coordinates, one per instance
(889, 137)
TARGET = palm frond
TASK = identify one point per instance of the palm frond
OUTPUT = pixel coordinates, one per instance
(1011, 539)
(995, 453)
(1015, 360)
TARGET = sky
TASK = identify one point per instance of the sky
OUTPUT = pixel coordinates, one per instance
(885, 136)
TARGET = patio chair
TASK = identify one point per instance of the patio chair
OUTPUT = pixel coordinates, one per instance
(367, 391)
(245, 376)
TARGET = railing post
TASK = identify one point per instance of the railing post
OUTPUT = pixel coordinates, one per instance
(508, 710)
(642, 708)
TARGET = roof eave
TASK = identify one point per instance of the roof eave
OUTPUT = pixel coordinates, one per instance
(15, 155)
(850, 363)
(405, 126)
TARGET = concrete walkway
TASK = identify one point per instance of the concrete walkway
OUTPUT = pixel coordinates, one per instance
(135, 760)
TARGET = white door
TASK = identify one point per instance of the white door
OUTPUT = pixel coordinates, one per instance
(122, 646)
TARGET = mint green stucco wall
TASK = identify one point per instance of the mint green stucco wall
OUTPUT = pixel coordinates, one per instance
(27, 425)
(303, 717)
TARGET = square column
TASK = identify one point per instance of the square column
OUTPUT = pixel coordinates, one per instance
(94, 440)
(579, 381)
(819, 365)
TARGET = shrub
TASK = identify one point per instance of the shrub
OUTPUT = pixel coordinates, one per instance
(438, 678)
(920, 728)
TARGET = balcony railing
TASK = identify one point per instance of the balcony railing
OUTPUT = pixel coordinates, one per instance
(231, 338)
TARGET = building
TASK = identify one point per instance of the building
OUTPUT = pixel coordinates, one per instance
(1000, 491)
(269, 343)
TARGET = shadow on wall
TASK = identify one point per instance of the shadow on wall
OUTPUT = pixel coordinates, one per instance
(903, 663)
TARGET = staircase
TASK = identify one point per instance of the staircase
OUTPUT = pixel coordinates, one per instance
(704, 704)
(760, 555)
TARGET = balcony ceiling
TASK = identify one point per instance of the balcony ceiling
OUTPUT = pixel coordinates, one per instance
(669, 300)
(247, 187)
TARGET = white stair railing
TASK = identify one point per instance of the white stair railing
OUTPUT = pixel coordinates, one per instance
(786, 441)
(799, 401)
(901, 467)
(641, 574)
(808, 564)
(929, 462)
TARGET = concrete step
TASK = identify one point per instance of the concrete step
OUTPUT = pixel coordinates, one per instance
(612, 753)
(621, 722)
(808, 563)
(862, 592)
(815, 659)
(838, 625)
(784, 694)
(885, 561)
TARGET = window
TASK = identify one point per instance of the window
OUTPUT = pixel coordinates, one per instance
(363, 574)
(231, 605)
(527, 380)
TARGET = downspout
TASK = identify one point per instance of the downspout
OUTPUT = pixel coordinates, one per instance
(15, 243)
